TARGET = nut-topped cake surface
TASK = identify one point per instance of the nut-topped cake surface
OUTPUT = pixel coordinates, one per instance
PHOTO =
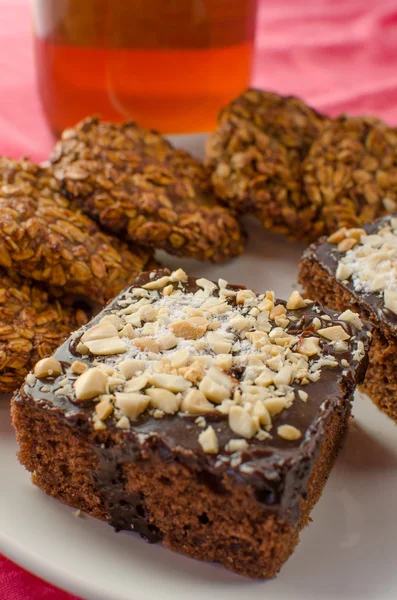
(369, 260)
(357, 269)
(172, 345)
(364, 262)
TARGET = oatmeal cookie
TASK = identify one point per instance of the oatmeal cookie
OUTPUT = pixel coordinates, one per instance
(31, 327)
(350, 173)
(285, 118)
(134, 183)
(255, 156)
(24, 179)
(253, 174)
(42, 239)
(93, 139)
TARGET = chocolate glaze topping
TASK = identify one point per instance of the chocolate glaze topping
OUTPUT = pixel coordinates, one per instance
(328, 256)
(276, 468)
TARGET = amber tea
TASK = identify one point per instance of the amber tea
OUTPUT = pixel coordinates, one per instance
(167, 65)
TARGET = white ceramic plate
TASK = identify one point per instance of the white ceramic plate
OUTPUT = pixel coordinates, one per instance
(347, 552)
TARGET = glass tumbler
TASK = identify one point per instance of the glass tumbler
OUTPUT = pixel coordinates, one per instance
(166, 64)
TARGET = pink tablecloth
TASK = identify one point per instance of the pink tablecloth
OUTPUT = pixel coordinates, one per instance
(339, 55)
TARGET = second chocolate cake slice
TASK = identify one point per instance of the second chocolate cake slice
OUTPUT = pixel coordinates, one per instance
(356, 269)
(198, 414)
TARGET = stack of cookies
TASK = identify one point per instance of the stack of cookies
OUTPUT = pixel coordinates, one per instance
(86, 226)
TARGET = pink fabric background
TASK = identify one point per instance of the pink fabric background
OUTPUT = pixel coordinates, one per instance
(339, 55)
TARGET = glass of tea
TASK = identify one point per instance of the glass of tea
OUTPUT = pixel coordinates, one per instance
(166, 64)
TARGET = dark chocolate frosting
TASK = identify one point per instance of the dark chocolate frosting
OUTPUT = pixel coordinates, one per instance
(372, 303)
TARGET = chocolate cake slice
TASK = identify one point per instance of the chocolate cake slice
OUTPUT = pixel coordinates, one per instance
(198, 414)
(356, 269)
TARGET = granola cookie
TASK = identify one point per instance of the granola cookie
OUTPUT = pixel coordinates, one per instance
(24, 179)
(285, 118)
(31, 327)
(253, 174)
(350, 173)
(134, 183)
(42, 239)
(93, 139)
(255, 156)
